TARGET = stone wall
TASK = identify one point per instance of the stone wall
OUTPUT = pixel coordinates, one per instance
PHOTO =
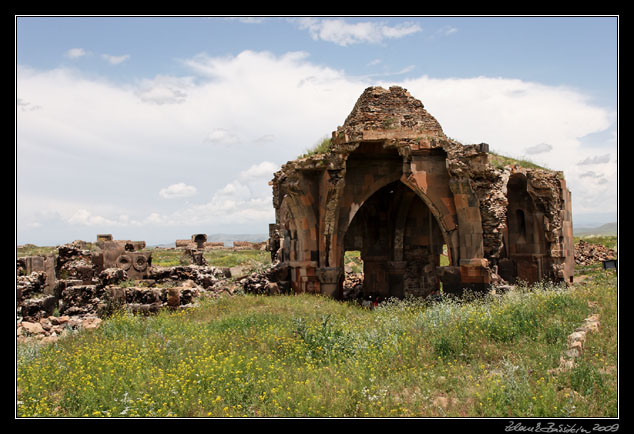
(87, 283)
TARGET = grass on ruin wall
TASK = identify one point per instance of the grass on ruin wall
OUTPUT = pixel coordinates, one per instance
(305, 355)
(501, 161)
(321, 147)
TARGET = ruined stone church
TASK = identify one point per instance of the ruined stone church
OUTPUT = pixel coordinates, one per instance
(394, 187)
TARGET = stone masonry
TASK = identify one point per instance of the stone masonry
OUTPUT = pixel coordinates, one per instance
(396, 188)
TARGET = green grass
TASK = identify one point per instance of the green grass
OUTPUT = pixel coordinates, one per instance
(305, 355)
(215, 258)
(321, 147)
(501, 161)
(609, 241)
(230, 258)
(352, 259)
(33, 250)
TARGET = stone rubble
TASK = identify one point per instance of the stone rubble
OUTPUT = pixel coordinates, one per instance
(259, 282)
(576, 342)
(589, 253)
(84, 291)
(353, 286)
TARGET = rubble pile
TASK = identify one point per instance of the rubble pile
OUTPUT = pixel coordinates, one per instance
(83, 287)
(73, 262)
(353, 286)
(49, 329)
(589, 253)
(204, 276)
(260, 282)
(271, 280)
(80, 299)
(29, 286)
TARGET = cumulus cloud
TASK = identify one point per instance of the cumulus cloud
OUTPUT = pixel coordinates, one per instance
(596, 178)
(591, 174)
(447, 30)
(177, 191)
(115, 60)
(257, 171)
(511, 115)
(85, 217)
(344, 33)
(597, 159)
(246, 199)
(125, 140)
(266, 138)
(164, 89)
(221, 136)
(75, 53)
(26, 106)
(539, 149)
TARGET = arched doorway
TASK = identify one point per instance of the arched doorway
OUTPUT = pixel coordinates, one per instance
(526, 245)
(400, 243)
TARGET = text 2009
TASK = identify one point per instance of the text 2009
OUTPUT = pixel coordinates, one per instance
(606, 428)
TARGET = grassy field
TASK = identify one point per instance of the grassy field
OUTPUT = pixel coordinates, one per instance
(609, 241)
(216, 258)
(304, 355)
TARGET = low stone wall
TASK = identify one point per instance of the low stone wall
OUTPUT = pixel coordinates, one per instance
(589, 253)
(82, 286)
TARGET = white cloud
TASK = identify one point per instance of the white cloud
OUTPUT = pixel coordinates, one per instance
(265, 138)
(115, 60)
(343, 33)
(177, 191)
(221, 136)
(539, 149)
(597, 159)
(164, 89)
(126, 141)
(591, 174)
(447, 30)
(75, 53)
(511, 115)
(264, 169)
(26, 106)
(244, 200)
(85, 217)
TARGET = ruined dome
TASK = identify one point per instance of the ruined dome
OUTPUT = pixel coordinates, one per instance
(381, 114)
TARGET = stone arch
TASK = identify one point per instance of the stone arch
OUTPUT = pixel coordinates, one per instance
(526, 243)
(301, 229)
(299, 244)
(400, 240)
(374, 187)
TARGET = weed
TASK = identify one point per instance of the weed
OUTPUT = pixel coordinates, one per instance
(309, 356)
(321, 147)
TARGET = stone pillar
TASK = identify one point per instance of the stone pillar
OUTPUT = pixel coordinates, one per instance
(469, 219)
(46, 264)
(475, 271)
(329, 277)
(396, 278)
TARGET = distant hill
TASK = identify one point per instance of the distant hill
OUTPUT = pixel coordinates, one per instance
(228, 239)
(606, 229)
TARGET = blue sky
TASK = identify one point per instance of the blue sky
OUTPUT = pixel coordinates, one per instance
(155, 128)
